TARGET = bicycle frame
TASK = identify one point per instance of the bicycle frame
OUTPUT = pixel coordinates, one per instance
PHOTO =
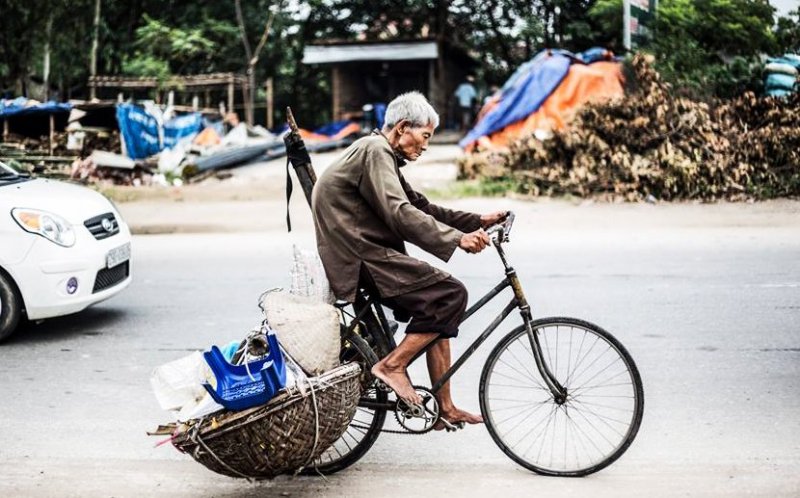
(518, 301)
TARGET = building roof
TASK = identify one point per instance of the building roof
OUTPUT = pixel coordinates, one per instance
(196, 81)
(370, 51)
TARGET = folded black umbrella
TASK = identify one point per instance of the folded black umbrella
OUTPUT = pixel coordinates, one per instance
(297, 156)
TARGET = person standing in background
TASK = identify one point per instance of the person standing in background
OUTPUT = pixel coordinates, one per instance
(466, 95)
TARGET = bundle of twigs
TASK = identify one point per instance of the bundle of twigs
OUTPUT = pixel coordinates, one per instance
(657, 145)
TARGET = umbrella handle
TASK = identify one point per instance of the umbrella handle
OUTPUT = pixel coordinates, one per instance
(290, 120)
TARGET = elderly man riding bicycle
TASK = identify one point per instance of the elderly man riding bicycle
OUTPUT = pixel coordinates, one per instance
(365, 211)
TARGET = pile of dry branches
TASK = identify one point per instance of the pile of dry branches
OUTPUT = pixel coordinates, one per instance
(652, 143)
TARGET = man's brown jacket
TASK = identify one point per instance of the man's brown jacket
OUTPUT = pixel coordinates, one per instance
(364, 211)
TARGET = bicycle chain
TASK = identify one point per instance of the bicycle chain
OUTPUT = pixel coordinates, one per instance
(390, 431)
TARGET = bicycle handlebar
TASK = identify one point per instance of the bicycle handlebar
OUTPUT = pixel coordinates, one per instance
(503, 229)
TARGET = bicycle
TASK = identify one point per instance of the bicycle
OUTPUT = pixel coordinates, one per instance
(565, 387)
(560, 396)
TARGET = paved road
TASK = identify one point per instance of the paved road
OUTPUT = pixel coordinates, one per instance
(707, 299)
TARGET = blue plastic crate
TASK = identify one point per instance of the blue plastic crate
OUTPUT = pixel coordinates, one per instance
(236, 388)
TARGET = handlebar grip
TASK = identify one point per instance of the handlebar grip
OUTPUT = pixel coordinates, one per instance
(508, 223)
(503, 228)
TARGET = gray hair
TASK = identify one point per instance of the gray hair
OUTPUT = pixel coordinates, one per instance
(413, 107)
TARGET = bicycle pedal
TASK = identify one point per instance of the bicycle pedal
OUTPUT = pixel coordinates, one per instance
(451, 427)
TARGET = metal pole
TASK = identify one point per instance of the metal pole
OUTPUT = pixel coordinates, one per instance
(270, 104)
(230, 95)
(95, 36)
(626, 24)
(52, 126)
(46, 69)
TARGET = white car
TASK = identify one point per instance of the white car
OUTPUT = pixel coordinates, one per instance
(63, 247)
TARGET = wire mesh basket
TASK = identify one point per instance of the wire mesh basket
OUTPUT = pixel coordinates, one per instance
(280, 437)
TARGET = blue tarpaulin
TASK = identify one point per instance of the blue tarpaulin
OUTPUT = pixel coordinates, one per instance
(140, 130)
(181, 126)
(380, 114)
(17, 107)
(526, 94)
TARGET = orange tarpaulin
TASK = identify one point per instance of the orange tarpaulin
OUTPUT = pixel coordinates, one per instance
(310, 136)
(583, 83)
(207, 137)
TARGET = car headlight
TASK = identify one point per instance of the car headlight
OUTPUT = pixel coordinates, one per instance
(50, 226)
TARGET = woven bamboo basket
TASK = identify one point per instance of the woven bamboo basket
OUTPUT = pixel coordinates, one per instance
(280, 437)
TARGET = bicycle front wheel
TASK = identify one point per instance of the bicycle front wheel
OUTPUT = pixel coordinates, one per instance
(594, 425)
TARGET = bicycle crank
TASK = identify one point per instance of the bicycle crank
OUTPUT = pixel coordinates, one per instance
(418, 419)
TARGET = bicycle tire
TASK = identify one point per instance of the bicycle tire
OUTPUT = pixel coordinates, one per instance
(622, 386)
(343, 453)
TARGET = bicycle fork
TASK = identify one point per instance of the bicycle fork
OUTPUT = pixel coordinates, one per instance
(558, 391)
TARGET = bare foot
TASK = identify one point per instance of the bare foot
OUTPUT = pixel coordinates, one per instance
(456, 416)
(397, 380)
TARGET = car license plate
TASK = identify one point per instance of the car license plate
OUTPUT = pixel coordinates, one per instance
(118, 255)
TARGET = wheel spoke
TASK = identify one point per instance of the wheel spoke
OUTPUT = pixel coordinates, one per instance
(603, 383)
(517, 386)
(586, 437)
(525, 367)
(577, 358)
(602, 411)
(595, 428)
(589, 403)
(524, 374)
(603, 418)
(580, 360)
(543, 435)
(586, 369)
(533, 410)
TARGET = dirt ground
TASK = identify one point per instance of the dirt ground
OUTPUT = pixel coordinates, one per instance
(254, 199)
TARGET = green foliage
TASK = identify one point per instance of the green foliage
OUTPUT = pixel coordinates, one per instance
(19, 40)
(606, 21)
(484, 187)
(695, 43)
(709, 48)
(147, 65)
(787, 33)
(161, 50)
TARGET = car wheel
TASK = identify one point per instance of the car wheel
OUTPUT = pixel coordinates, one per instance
(10, 309)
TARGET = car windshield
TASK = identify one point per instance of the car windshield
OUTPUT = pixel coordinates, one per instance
(10, 173)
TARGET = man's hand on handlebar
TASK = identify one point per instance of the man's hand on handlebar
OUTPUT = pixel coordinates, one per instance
(494, 218)
(474, 242)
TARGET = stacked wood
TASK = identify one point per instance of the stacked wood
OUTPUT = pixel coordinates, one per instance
(653, 144)
(34, 153)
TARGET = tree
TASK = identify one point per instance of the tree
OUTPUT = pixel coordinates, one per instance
(787, 33)
(168, 37)
(21, 29)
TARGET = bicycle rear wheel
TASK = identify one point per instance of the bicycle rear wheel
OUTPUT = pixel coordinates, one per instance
(366, 426)
(587, 432)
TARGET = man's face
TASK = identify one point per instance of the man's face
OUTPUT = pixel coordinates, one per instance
(414, 140)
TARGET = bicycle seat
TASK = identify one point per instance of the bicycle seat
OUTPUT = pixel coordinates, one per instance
(244, 386)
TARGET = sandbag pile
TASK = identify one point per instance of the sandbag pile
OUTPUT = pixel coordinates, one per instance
(781, 75)
(652, 144)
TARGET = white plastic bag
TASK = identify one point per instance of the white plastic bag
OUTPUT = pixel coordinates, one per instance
(205, 406)
(308, 276)
(180, 382)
